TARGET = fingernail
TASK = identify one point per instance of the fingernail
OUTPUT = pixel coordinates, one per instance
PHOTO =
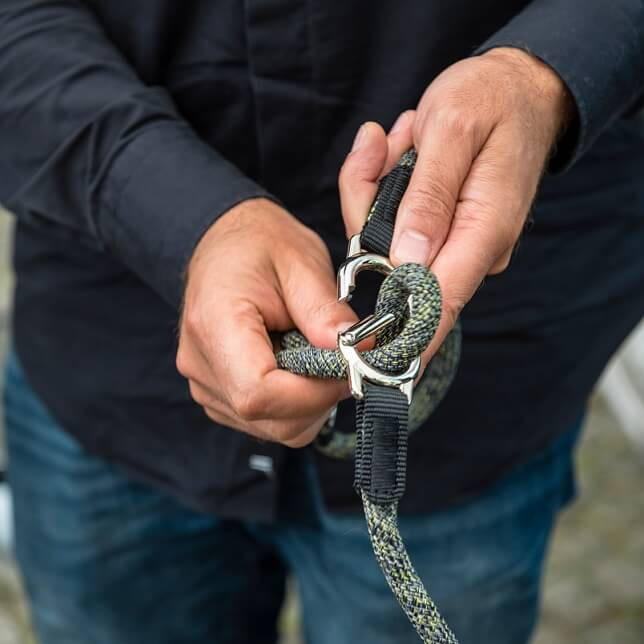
(400, 123)
(413, 247)
(360, 138)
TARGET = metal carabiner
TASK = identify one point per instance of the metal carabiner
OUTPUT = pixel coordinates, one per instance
(359, 260)
(358, 369)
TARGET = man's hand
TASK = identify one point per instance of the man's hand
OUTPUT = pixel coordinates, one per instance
(483, 131)
(258, 269)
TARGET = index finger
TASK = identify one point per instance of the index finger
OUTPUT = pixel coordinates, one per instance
(257, 389)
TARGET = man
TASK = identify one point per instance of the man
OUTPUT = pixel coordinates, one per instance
(158, 153)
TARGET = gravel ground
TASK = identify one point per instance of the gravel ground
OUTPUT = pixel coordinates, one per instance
(594, 585)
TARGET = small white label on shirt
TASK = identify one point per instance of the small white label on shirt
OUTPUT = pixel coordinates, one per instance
(261, 463)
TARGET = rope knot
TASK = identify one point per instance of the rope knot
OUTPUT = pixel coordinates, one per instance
(410, 292)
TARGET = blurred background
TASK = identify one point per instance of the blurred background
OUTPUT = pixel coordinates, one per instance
(594, 587)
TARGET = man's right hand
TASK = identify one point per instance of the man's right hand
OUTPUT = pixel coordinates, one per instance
(256, 270)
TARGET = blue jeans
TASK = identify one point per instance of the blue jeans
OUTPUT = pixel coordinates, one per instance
(109, 561)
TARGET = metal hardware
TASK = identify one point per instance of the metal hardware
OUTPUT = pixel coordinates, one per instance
(356, 262)
(355, 246)
(370, 325)
(358, 369)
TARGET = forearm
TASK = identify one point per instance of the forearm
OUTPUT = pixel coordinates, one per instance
(90, 147)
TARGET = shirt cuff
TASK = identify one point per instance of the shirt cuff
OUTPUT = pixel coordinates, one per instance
(163, 191)
(598, 52)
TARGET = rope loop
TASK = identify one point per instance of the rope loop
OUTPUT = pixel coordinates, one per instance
(411, 292)
(396, 346)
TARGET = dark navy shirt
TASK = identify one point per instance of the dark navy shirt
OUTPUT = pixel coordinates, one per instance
(127, 128)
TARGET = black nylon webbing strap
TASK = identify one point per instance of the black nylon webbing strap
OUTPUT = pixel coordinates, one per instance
(381, 443)
(378, 232)
(382, 415)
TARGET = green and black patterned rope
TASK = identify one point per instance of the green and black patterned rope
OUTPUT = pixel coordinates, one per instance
(396, 346)
(406, 585)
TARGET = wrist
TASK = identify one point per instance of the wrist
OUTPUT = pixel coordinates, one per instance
(230, 224)
(244, 217)
(548, 89)
(256, 229)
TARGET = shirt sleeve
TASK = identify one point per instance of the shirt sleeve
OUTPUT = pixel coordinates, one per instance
(89, 150)
(596, 47)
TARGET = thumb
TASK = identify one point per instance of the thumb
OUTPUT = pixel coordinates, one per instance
(427, 208)
(312, 302)
(359, 175)
(372, 156)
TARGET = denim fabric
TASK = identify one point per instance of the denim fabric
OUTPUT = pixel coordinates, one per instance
(107, 560)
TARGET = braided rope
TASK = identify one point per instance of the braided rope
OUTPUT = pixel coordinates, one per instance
(396, 346)
(406, 585)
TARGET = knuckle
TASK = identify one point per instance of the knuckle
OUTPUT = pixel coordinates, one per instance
(485, 218)
(196, 393)
(296, 443)
(507, 235)
(458, 122)
(453, 305)
(292, 434)
(183, 360)
(248, 404)
(431, 199)
(182, 363)
(503, 261)
(473, 213)
(214, 416)
(287, 433)
(191, 322)
(418, 126)
(500, 265)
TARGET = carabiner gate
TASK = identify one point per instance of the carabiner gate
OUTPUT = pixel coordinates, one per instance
(358, 369)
